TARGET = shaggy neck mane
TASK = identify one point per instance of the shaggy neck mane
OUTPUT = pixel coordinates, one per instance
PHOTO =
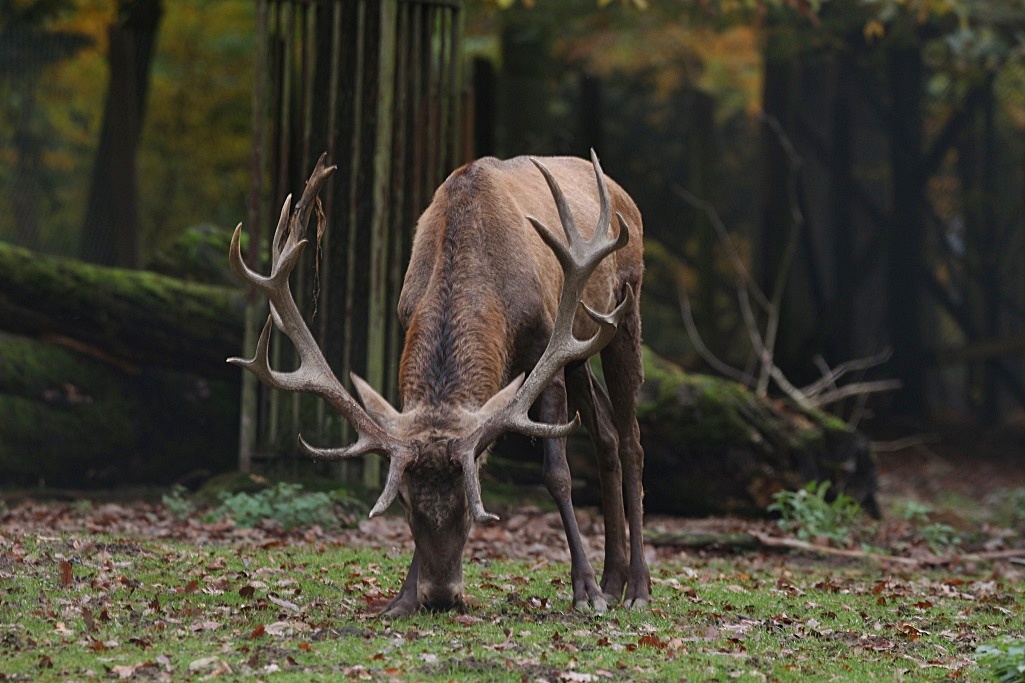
(455, 350)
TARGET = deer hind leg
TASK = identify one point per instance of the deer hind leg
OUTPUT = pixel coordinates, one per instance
(624, 372)
(587, 397)
(552, 408)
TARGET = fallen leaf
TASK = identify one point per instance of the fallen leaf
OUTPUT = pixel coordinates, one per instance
(285, 628)
(284, 603)
(577, 677)
(205, 626)
(67, 576)
(123, 671)
(87, 617)
(203, 664)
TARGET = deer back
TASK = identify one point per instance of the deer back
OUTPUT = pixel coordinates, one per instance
(482, 288)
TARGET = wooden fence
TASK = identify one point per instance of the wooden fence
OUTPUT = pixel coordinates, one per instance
(378, 84)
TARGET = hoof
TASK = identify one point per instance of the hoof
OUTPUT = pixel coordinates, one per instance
(598, 605)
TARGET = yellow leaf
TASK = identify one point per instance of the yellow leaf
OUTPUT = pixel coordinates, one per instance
(874, 29)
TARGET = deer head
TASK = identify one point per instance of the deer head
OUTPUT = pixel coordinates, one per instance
(435, 451)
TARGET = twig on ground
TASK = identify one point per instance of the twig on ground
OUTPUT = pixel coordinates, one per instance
(901, 444)
(1015, 555)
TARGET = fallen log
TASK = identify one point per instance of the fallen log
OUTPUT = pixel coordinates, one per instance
(92, 400)
(713, 447)
(126, 318)
(68, 419)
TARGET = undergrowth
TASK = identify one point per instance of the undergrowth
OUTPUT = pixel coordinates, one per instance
(810, 513)
(1004, 659)
(284, 503)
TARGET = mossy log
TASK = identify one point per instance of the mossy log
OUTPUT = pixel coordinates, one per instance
(70, 420)
(713, 447)
(128, 318)
(135, 388)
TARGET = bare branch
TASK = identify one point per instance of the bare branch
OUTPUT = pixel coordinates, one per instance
(906, 442)
(699, 344)
(724, 236)
(830, 376)
(856, 389)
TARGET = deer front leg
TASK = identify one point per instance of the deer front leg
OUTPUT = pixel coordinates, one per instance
(586, 592)
(405, 603)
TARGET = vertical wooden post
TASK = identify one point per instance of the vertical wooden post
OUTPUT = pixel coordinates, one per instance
(377, 83)
(379, 302)
(247, 429)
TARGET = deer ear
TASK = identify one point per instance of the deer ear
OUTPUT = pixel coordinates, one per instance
(500, 400)
(375, 404)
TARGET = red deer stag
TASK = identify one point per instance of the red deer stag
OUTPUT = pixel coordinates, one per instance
(489, 306)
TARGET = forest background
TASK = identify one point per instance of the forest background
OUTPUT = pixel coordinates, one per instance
(866, 158)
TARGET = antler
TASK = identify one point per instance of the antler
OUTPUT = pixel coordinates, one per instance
(578, 258)
(313, 375)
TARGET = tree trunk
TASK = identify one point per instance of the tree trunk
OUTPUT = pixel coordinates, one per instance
(110, 230)
(777, 177)
(27, 194)
(907, 228)
(841, 166)
(977, 162)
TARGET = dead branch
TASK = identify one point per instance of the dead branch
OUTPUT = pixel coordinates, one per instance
(830, 376)
(796, 544)
(1015, 555)
(856, 389)
(706, 354)
(901, 444)
(736, 261)
(824, 391)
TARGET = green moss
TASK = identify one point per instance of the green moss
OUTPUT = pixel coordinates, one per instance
(718, 447)
(68, 419)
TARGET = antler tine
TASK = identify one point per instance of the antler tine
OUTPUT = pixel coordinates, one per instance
(471, 481)
(578, 258)
(604, 218)
(292, 228)
(399, 460)
(313, 375)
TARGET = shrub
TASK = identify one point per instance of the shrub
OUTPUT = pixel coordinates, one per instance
(284, 503)
(938, 536)
(1004, 659)
(809, 513)
(178, 503)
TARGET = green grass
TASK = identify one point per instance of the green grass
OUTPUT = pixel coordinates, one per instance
(78, 606)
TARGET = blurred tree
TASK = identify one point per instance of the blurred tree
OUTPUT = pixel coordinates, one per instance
(28, 44)
(110, 229)
(194, 154)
